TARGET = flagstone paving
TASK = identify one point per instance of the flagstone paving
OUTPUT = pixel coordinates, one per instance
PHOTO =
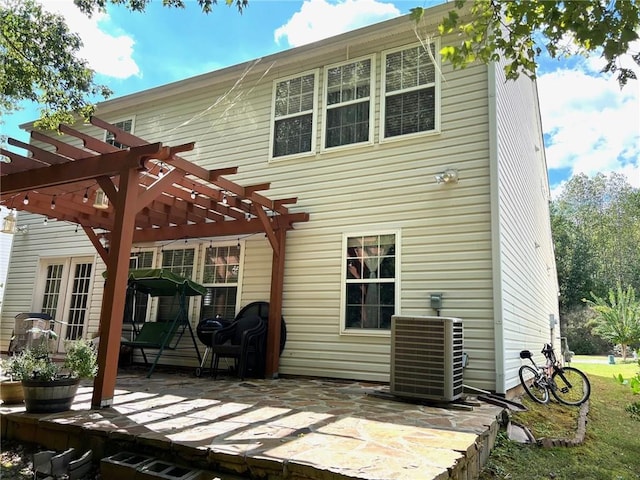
(288, 428)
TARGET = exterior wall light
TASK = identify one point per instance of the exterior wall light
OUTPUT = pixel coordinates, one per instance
(102, 201)
(450, 175)
(9, 223)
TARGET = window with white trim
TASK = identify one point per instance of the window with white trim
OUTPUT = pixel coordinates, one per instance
(348, 89)
(294, 117)
(410, 90)
(138, 302)
(180, 262)
(126, 125)
(221, 273)
(370, 279)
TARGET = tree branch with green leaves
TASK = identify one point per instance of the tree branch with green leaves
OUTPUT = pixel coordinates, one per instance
(518, 30)
(41, 63)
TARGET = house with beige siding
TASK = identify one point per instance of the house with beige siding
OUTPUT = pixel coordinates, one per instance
(419, 180)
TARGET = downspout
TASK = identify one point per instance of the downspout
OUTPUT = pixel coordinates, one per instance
(494, 185)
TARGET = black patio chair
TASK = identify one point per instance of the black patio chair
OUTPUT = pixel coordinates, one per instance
(244, 341)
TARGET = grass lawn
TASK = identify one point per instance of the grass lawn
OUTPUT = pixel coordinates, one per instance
(611, 450)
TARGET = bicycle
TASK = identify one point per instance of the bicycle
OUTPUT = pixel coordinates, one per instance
(568, 385)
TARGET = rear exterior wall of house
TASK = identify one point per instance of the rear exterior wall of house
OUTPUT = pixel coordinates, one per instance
(382, 187)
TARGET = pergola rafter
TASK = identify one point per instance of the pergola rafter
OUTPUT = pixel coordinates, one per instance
(154, 195)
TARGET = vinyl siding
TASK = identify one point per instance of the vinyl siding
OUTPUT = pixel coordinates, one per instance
(444, 230)
(528, 286)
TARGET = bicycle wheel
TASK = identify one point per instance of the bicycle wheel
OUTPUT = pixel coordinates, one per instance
(570, 386)
(531, 381)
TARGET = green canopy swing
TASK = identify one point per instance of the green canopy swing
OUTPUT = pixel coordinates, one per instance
(157, 282)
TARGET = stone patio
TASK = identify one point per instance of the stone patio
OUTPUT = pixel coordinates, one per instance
(289, 428)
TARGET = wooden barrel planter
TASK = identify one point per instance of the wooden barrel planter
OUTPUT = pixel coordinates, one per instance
(49, 396)
(11, 392)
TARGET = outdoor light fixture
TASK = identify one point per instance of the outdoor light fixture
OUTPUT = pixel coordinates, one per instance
(450, 175)
(102, 201)
(9, 223)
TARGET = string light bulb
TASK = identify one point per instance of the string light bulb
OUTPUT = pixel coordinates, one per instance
(193, 194)
(85, 199)
(224, 199)
(53, 203)
(26, 199)
(161, 172)
(46, 220)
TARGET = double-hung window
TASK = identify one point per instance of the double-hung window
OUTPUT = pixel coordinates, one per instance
(180, 262)
(138, 302)
(126, 125)
(221, 273)
(410, 102)
(294, 115)
(370, 281)
(348, 88)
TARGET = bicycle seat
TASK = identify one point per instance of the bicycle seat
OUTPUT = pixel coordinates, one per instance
(525, 354)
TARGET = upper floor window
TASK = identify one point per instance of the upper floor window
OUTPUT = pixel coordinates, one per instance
(294, 115)
(410, 90)
(126, 125)
(348, 101)
(370, 278)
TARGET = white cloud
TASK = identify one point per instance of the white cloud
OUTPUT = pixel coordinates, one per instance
(591, 124)
(318, 19)
(106, 53)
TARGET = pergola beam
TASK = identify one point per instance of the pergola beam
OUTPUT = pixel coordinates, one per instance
(79, 170)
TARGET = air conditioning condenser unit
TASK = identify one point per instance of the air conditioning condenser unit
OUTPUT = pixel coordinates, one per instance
(426, 357)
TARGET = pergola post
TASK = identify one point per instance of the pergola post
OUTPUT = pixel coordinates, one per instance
(275, 305)
(113, 301)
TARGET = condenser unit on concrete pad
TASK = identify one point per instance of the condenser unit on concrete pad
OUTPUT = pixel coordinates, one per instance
(426, 357)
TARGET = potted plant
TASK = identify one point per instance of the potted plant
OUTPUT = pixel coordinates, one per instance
(51, 386)
(10, 386)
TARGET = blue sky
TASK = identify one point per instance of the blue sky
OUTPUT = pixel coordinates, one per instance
(590, 125)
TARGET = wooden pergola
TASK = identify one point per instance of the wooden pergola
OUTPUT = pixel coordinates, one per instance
(153, 195)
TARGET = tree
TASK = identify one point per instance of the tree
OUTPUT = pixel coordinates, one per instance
(595, 225)
(618, 317)
(516, 30)
(40, 59)
(40, 63)
(596, 232)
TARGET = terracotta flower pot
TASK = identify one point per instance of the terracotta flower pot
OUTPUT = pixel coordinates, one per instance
(49, 396)
(11, 392)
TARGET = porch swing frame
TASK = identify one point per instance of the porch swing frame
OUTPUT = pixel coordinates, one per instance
(161, 335)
